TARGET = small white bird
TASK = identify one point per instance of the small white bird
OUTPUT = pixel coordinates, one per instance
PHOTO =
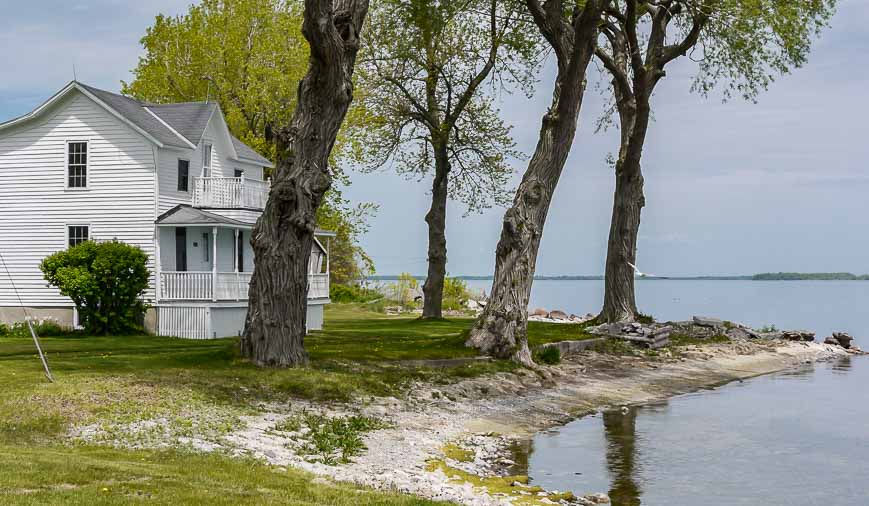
(644, 274)
(640, 274)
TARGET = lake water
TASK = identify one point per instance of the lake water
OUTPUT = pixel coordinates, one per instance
(795, 438)
(819, 306)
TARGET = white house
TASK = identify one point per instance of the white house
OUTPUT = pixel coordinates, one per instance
(170, 178)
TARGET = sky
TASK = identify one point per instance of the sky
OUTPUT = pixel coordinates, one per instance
(731, 188)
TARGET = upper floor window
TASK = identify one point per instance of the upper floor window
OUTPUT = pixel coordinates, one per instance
(77, 164)
(239, 172)
(206, 161)
(183, 175)
(77, 234)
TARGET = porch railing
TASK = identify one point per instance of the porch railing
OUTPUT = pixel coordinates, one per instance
(230, 192)
(197, 285)
(318, 286)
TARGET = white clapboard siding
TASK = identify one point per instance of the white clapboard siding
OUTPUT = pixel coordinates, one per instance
(222, 165)
(36, 207)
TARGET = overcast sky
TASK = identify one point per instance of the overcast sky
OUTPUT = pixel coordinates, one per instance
(730, 188)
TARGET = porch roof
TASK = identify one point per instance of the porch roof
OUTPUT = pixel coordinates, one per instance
(182, 215)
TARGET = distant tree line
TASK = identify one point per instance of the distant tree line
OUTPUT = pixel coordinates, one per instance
(815, 276)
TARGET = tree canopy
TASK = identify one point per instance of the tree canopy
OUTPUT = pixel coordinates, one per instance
(249, 56)
(431, 72)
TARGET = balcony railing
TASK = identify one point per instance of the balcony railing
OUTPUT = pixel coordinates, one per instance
(230, 192)
(223, 286)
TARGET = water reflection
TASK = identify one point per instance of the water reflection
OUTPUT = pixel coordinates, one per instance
(620, 431)
(842, 365)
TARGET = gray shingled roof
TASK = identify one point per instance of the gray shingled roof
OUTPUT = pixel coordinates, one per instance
(246, 152)
(188, 119)
(185, 215)
(133, 111)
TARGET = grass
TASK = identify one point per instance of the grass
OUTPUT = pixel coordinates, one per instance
(118, 385)
(87, 475)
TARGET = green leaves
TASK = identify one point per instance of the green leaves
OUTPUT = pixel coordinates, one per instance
(105, 281)
(429, 75)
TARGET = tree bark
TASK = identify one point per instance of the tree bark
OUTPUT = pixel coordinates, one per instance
(502, 328)
(436, 219)
(620, 304)
(283, 236)
(619, 299)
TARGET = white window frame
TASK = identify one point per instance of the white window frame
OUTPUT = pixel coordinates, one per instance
(207, 146)
(90, 227)
(87, 165)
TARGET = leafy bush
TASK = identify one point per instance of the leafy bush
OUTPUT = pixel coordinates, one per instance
(404, 290)
(352, 293)
(547, 355)
(105, 281)
(456, 294)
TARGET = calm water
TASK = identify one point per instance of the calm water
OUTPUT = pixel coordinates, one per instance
(820, 306)
(795, 438)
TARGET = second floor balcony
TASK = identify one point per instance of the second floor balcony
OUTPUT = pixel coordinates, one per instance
(230, 192)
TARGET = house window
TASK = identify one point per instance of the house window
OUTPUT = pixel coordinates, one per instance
(77, 164)
(239, 248)
(183, 173)
(77, 234)
(239, 172)
(206, 161)
(206, 248)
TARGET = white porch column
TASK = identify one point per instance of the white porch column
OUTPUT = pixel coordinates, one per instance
(158, 286)
(235, 261)
(214, 264)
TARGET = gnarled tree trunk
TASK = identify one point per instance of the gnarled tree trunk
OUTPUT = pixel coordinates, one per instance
(436, 219)
(502, 328)
(282, 239)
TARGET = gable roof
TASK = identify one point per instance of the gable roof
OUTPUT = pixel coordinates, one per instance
(247, 153)
(189, 119)
(134, 112)
(180, 125)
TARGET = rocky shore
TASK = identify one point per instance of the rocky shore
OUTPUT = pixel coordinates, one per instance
(480, 419)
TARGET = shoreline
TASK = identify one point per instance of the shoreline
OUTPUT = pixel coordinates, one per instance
(484, 416)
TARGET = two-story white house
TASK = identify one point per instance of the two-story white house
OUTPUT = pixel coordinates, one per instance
(170, 178)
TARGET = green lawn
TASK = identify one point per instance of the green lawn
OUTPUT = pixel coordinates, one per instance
(90, 476)
(202, 386)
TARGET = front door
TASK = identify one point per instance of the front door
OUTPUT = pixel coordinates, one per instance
(180, 249)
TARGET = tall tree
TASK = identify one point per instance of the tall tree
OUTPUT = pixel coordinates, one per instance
(571, 30)
(248, 56)
(746, 42)
(428, 74)
(284, 234)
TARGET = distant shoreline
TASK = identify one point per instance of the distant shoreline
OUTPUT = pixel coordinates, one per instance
(766, 276)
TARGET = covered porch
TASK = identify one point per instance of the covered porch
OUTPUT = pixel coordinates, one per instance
(205, 256)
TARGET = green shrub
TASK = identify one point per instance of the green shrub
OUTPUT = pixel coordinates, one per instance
(105, 281)
(455, 296)
(352, 293)
(547, 355)
(404, 290)
(331, 440)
